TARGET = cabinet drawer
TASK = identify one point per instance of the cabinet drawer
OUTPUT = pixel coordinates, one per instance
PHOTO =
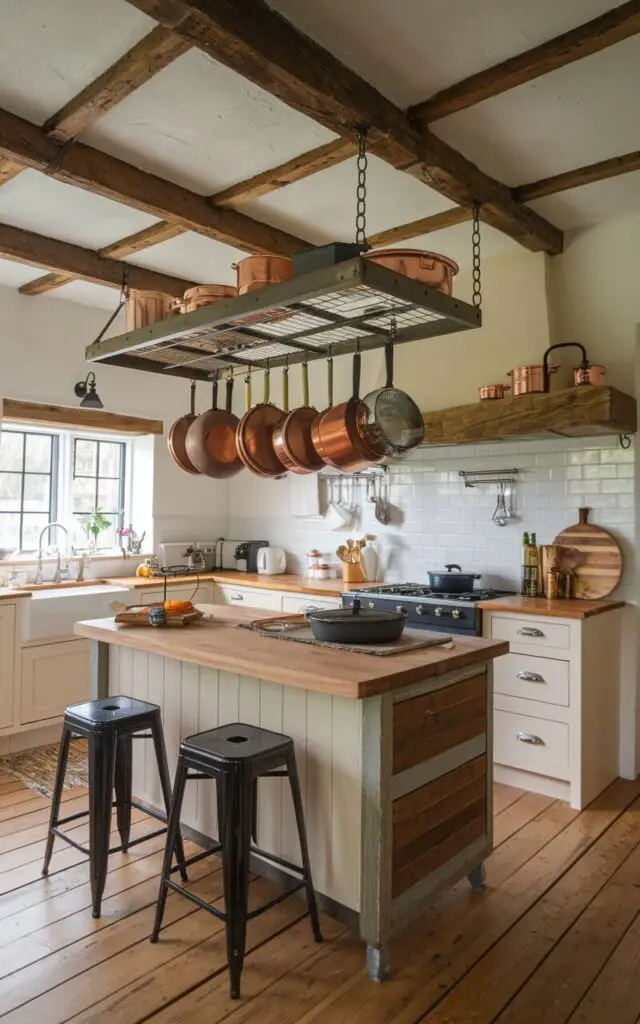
(300, 602)
(531, 631)
(533, 744)
(247, 597)
(53, 676)
(525, 675)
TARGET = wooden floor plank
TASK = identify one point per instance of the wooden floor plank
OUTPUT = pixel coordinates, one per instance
(519, 814)
(27, 801)
(614, 998)
(504, 796)
(26, 815)
(428, 968)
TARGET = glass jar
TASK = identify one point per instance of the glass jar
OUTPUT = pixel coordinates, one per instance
(314, 560)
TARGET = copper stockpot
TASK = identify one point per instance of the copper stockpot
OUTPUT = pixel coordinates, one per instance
(591, 374)
(145, 308)
(493, 391)
(206, 294)
(525, 379)
(429, 268)
(256, 272)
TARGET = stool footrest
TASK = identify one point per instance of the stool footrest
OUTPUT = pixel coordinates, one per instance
(199, 856)
(276, 860)
(221, 914)
(112, 849)
(196, 899)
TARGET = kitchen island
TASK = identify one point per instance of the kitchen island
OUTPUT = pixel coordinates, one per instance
(394, 753)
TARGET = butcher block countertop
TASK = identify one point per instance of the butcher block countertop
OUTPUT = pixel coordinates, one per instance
(215, 642)
(570, 609)
(10, 594)
(286, 581)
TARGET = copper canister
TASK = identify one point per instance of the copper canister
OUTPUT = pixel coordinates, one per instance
(144, 308)
(256, 272)
(551, 582)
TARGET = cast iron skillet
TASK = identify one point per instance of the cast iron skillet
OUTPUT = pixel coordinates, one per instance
(355, 626)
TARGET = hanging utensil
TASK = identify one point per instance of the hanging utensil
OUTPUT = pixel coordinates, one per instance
(395, 425)
(293, 440)
(176, 439)
(254, 436)
(211, 438)
(499, 516)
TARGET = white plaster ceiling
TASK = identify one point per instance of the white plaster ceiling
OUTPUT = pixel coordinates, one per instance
(39, 203)
(410, 49)
(14, 275)
(193, 257)
(592, 204)
(203, 126)
(51, 49)
(88, 294)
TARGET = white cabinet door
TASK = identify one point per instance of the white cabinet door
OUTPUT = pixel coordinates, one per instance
(249, 597)
(53, 676)
(7, 663)
(300, 602)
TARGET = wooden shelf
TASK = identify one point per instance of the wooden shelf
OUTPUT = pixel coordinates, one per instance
(76, 418)
(573, 412)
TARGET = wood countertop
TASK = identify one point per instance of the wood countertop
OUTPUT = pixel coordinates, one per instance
(215, 642)
(9, 594)
(570, 609)
(288, 582)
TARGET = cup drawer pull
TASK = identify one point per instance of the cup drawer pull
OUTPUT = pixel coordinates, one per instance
(530, 737)
(531, 677)
(237, 597)
(530, 631)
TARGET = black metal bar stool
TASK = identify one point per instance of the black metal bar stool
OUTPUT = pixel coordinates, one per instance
(110, 724)
(236, 756)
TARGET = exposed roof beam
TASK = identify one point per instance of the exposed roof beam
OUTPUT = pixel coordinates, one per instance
(9, 169)
(48, 283)
(424, 226)
(263, 47)
(580, 176)
(63, 257)
(105, 175)
(258, 185)
(609, 28)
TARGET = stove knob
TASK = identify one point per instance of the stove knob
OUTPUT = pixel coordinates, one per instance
(399, 608)
(371, 604)
(456, 613)
(438, 611)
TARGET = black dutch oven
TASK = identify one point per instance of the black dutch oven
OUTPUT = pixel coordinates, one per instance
(355, 626)
(453, 581)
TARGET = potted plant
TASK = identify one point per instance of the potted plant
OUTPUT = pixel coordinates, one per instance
(93, 524)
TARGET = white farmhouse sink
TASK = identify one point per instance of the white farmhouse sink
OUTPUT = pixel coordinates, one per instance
(51, 614)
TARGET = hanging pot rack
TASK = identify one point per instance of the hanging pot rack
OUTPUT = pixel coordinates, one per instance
(330, 310)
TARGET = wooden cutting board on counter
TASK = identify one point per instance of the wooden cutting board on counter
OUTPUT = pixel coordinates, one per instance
(592, 555)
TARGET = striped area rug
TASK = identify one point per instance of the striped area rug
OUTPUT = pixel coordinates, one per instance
(37, 768)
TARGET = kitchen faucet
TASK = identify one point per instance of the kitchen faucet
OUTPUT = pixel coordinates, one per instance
(51, 526)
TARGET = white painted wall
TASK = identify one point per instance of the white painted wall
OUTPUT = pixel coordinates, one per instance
(42, 343)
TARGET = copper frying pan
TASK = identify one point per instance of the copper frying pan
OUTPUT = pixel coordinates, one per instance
(211, 439)
(254, 436)
(176, 440)
(292, 439)
(340, 431)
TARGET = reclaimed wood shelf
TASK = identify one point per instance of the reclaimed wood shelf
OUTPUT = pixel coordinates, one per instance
(572, 412)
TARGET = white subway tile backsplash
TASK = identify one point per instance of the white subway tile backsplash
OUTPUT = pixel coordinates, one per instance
(599, 472)
(583, 457)
(618, 486)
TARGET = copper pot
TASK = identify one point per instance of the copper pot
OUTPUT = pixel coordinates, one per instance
(256, 272)
(591, 374)
(293, 439)
(493, 391)
(527, 379)
(177, 437)
(339, 433)
(429, 268)
(206, 294)
(145, 308)
(254, 436)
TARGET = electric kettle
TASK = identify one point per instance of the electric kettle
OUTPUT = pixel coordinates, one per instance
(271, 561)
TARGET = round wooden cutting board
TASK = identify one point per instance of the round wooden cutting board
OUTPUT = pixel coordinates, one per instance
(593, 556)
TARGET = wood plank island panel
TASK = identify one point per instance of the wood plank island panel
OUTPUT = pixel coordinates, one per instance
(436, 722)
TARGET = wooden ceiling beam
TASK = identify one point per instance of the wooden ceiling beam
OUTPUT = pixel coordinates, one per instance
(424, 226)
(154, 52)
(105, 175)
(604, 31)
(64, 258)
(259, 44)
(600, 171)
(48, 283)
(9, 169)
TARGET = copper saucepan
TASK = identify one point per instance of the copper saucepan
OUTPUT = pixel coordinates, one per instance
(527, 379)
(176, 439)
(592, 374)
(490, 392)
(429, 268)
(254, 436)
(206, 294)
(340, 431)
(211, 439)
(292, 439)
(256, 272)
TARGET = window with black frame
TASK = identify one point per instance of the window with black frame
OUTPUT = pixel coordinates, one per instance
(28, 487)
(98, 487)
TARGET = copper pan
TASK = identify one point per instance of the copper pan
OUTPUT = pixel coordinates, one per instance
(429, 268)
(526, 379)
(206, 294)
(292, 440)
(592, 373)
(254, 436)
(256, 272)
(176, 439)
(490, 392)
(340, 431)
(211, 439)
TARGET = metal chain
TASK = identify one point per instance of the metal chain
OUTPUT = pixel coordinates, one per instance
(361, 190)
(475, 248)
